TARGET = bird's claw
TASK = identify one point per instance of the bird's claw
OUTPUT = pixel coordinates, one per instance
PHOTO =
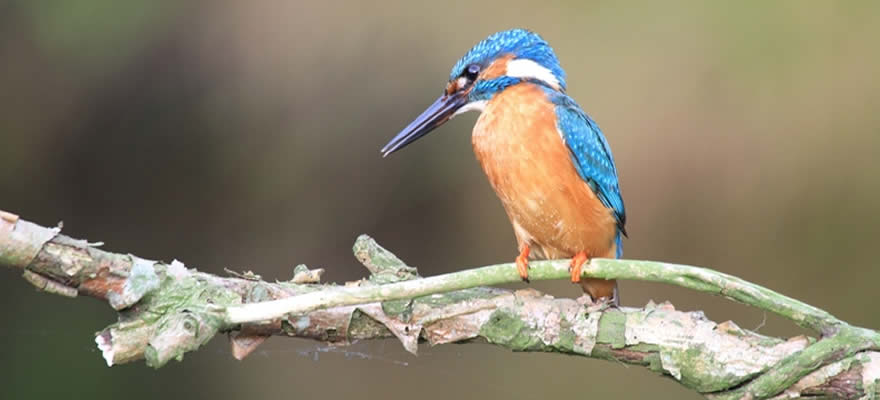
(522, 264)
(577, 262)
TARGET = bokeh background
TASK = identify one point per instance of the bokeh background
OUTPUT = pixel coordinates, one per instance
(245, 135)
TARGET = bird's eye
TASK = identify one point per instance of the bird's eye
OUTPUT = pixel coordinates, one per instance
(472, 71)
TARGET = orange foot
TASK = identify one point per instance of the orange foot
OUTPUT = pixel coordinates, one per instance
(576, 263)
(522, 263)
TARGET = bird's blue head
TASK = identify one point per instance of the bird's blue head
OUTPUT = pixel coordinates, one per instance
(498, 62)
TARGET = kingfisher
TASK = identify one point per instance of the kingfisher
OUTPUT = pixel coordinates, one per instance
(546, 159)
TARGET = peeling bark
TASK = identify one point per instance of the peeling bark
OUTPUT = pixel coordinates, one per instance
(166, 310)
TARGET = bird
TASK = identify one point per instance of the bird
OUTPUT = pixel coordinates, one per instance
(546, 159)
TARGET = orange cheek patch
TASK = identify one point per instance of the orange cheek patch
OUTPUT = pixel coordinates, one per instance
(455, 86)
(497, 69)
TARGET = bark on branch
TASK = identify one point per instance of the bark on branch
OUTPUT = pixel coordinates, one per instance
(166, 310)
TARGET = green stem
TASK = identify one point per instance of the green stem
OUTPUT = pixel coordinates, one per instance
(717, 283)
(845, 343)
(695, 278)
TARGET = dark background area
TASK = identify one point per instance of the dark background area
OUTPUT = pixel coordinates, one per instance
(245, 135)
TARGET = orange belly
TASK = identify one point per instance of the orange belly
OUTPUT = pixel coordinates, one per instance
(552, 209)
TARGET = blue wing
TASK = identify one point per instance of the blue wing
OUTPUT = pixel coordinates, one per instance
(591, 155)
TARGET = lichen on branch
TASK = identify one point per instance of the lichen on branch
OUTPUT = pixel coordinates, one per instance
(166, 310)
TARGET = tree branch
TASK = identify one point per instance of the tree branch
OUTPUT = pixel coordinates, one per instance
(166, 310)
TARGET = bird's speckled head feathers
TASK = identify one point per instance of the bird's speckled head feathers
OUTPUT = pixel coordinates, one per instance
(517, 44)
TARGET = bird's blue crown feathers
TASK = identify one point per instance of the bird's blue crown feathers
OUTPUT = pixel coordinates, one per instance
(521, 43)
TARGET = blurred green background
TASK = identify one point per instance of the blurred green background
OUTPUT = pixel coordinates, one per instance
(246, 134)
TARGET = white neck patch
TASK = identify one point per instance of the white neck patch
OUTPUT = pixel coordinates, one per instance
(472, 106)
(525, 68)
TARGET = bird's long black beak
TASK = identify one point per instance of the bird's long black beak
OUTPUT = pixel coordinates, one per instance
(438, 113)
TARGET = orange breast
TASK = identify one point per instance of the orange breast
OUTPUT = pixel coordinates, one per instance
(551, 208)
